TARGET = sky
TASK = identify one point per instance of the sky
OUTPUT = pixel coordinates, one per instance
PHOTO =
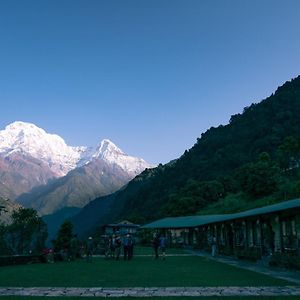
(150, 75)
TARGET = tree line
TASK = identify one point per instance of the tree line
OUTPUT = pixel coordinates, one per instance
(256, 155)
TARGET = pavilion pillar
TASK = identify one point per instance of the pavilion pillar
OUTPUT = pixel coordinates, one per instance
(276, 226)
(245, 225)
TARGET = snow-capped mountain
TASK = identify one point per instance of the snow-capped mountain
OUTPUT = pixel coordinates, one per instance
(27, 138)
(110, 153)
(30, 157)
(21, 137)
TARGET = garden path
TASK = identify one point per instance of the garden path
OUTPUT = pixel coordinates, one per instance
(152, 291)
(260, 266)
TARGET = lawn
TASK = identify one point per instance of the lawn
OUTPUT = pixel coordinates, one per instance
(142, 271)
(149, 251)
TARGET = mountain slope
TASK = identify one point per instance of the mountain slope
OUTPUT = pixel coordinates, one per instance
(19, 173)
(224, 160)
(77, 188)
(7, 207)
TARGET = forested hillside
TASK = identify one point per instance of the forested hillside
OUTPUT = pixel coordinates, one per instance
(253, 157)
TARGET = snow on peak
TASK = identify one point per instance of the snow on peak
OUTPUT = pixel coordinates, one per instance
(29, 139)
(109, 152)
(107, 148)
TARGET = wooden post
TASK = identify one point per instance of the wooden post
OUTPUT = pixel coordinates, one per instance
(246, 234)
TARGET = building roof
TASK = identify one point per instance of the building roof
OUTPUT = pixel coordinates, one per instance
(122, 225)
(184, 222)
(195, 221)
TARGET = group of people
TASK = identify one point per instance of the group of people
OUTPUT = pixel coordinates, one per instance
(159, 243)
(115, 244)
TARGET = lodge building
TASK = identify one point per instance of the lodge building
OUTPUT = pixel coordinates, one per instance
(254, 233)
(122, 228)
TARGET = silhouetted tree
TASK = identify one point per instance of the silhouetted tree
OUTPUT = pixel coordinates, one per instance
(27, 233)
(64, 236)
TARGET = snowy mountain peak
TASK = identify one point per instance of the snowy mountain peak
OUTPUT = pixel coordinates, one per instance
(19, 125)
(28, 139)
(110, 153)
(107, 148)
(19, 130)
(23, 131)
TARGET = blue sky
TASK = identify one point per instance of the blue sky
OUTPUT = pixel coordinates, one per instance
(149, 75)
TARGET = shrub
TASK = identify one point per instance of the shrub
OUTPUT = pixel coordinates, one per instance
(286, 260)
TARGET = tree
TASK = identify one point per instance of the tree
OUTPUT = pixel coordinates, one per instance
(27, 233)
(64, 236)
(3, 245)
(260, 178)
(288, 154)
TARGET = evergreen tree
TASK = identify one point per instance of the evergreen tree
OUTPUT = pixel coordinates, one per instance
(64, 236)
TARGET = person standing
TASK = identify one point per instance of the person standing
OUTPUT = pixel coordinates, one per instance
(213, 246)
(112, 245)
(155, 245)
(118, 244)
(126, 246)
(89, 249)
(162, 245)
(131, 245)
(73, 247)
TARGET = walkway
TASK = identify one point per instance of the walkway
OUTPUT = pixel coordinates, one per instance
(260, 266)
(153, 291)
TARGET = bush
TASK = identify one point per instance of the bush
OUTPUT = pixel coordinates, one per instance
(252, 253)
(285, 260)
(20, 259)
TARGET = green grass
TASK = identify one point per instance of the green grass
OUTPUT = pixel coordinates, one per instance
(140, 272)
(140, 250)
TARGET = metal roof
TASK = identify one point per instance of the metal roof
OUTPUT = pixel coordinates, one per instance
(123, 223)
(195, 221)
(184, 222)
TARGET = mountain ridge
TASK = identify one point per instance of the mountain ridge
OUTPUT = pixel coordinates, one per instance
(23, 137)
(40, 170)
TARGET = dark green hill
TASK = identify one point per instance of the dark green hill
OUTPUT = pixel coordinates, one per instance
(256, 155)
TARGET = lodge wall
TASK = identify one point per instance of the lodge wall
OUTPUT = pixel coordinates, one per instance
(253, 236)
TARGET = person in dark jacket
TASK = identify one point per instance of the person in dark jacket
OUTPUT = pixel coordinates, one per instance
(89, 249)
(118, 243)
(128, 247)
(162, 246)
(155, 245)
